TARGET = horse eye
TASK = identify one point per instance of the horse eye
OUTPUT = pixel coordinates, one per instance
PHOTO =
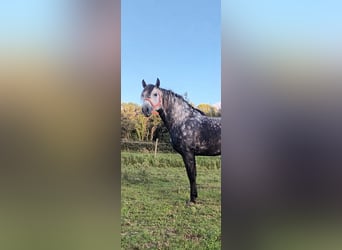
(155, 94)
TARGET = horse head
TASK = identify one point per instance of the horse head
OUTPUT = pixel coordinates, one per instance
(152, 98)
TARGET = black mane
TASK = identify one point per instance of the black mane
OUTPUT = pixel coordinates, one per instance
(171, 94)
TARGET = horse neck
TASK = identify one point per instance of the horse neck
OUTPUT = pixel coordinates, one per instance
(174, 109)
(164, 118)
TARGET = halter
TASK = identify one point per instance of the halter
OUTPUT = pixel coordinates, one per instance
(154, 106)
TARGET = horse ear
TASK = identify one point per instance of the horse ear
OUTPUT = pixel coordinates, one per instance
(157, 83)
(144, 83)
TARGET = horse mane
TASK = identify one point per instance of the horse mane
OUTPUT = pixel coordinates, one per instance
(170, 94)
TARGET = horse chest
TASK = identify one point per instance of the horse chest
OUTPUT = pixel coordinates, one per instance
(182, 137)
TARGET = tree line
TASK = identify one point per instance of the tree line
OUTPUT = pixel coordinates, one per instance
(136, 127)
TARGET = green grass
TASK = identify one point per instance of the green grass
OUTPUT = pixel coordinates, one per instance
(154, 210)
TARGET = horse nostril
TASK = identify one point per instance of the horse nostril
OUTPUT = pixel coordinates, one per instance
(145, 110)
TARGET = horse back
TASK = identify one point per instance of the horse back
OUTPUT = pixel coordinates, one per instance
(202, 136)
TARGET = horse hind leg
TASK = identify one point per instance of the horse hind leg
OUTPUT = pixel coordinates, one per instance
(190, 165)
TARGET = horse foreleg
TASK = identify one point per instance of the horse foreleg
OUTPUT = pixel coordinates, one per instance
(190, 165)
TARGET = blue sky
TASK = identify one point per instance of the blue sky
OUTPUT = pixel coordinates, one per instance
(178, 41)
(312, 26)
(26, 23)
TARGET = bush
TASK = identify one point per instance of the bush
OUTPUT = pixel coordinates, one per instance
(145, 147)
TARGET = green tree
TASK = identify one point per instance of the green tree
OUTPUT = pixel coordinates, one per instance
(153, 123)
(209, 110)
(128, 114)
(141, 127)
(135, 126)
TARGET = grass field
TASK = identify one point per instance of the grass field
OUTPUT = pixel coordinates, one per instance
(154, 213)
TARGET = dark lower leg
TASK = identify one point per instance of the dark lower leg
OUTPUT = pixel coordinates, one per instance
(193, 191)
(190, 165)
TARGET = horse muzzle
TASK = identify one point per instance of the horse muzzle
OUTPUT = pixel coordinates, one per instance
(147, 110)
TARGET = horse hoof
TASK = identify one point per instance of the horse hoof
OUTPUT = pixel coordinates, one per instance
(190, 203)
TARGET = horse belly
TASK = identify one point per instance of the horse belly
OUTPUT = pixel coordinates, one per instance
(208, 150)
(208, 143)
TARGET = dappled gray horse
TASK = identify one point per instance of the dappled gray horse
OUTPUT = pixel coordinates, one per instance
(191, 131)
